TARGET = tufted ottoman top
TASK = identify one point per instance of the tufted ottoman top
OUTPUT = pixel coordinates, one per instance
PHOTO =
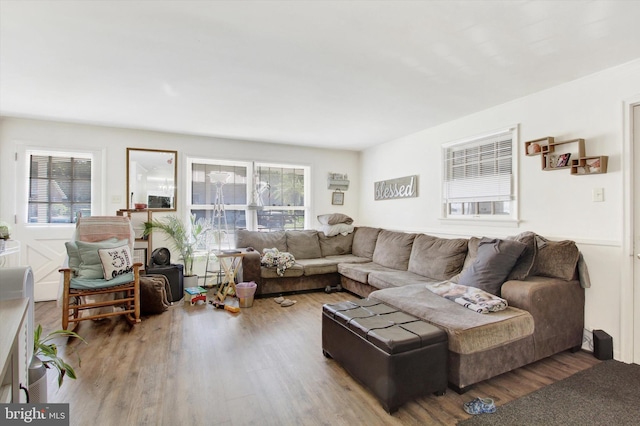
(387, 328)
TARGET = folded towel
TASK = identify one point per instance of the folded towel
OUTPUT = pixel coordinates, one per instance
(470, 297)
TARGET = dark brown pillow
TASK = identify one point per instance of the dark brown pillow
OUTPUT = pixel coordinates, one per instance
(154, 294)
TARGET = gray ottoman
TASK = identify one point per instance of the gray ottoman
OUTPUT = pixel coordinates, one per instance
(395, 355)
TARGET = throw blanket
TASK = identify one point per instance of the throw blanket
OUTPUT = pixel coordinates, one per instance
(470, 297)
(280, 260)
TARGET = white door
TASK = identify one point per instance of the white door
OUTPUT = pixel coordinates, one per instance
(635, 170)
(42, 245)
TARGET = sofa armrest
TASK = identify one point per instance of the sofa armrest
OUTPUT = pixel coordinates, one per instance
(251, 267)
(557, 307)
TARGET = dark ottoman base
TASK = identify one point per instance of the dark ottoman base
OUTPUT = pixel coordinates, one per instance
(396, 355)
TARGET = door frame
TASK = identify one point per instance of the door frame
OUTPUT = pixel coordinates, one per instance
(629, 306)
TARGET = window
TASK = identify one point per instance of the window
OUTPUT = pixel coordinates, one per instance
(479, 176)
(242, 195)
(279, 193)
(59, 187)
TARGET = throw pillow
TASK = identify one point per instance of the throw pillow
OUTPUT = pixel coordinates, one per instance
(90, 266)
(493, 263)
(115, 261)
(340, 228)
(524, 265)
(556, 259)
(74, 255)
(334, 219)
(154, 294)
(336, 245)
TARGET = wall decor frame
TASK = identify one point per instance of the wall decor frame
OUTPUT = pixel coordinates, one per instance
(337, 198)
(404, 187)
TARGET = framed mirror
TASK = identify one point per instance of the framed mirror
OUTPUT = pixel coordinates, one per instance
(152, 177)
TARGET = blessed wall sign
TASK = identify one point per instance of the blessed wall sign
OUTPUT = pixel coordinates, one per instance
(404, 187)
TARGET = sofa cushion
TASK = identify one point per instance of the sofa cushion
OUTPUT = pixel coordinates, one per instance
(437, 258)
(468, 331)
(334, 219)
(303, 244)
(390, 279)
(493, 264)
(556, 259)
(261, 240)
(349, 258)
(296, 270)
(336, 245)
(524, 265)
(318, 266)
(364, 241)
(393, 249)
(360, 271)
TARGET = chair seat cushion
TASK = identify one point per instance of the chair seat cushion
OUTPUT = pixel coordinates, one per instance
(92, 284)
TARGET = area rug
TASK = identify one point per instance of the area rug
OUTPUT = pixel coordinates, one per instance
(605, 394)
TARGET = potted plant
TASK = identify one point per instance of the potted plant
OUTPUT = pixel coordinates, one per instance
(45, 352)
(185, 239)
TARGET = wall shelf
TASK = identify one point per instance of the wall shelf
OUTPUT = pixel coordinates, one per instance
(559, 154)
(590, 165)
(570, 154)
(538, 146)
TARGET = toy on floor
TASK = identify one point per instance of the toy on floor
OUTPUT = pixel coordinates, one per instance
(193, 294)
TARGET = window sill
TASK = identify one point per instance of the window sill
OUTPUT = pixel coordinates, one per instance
(481, 221)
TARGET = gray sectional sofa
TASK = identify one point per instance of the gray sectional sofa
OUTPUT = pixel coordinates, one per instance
(539, 278)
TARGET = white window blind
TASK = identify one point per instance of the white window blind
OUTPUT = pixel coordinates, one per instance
(479, 170)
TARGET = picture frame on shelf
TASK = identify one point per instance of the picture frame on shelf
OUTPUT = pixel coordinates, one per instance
(337, 198)
(593, 165)
(563, 160)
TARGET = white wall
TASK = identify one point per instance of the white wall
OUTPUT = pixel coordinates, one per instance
(114, 141)
(551, 203)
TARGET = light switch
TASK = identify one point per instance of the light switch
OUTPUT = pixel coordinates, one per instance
(598, 194)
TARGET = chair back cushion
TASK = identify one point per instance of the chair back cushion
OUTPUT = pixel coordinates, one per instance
(99, 228)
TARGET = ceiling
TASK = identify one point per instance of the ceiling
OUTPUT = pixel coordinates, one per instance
(336, 74)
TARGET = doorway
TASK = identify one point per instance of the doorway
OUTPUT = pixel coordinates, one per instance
(634, 132)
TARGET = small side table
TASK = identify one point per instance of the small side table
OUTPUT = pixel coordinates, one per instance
(230, 262)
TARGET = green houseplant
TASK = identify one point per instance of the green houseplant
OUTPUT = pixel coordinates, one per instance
(5, 234)
(47, 352)
(185, 239)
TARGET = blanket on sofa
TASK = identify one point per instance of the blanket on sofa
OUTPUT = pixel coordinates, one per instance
(470, 297)
(281, 260)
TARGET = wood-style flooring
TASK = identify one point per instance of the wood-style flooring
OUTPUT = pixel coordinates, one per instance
(196, 365)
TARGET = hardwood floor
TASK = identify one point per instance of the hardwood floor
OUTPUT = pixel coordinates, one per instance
(196, 365)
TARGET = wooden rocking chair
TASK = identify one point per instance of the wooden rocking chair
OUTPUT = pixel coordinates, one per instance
(85, 297)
